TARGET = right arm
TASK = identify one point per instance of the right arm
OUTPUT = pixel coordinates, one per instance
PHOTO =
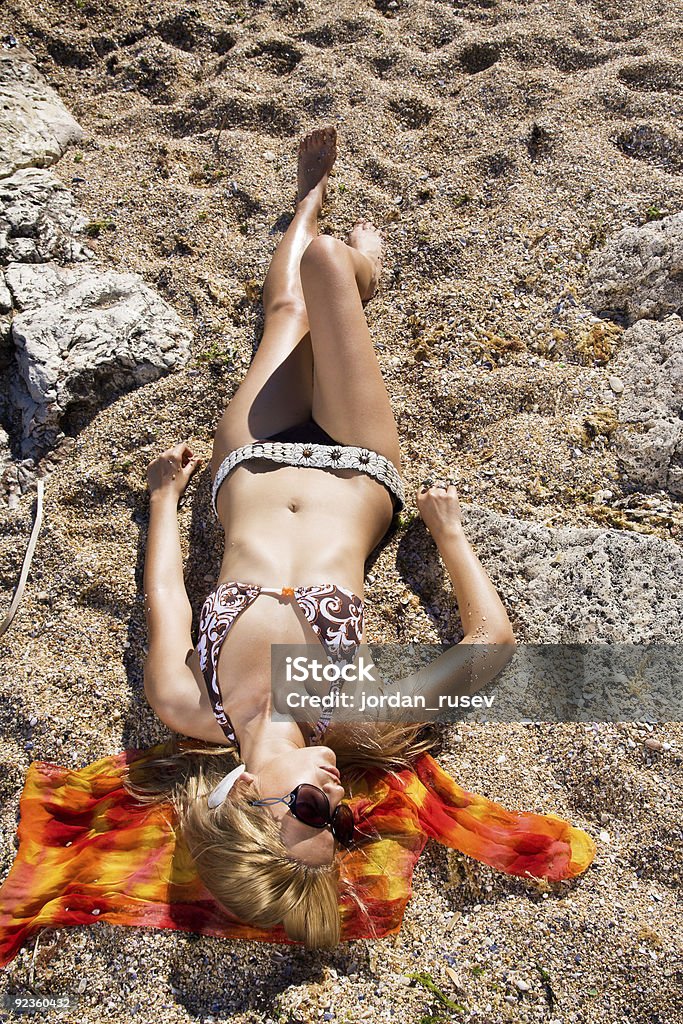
(488, 643)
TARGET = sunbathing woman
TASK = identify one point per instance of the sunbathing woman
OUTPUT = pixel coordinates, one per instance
(306, 483)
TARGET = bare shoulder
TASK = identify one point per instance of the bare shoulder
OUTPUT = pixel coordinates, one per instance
(177, 693)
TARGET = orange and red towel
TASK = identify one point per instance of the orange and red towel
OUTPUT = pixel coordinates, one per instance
(88, 852)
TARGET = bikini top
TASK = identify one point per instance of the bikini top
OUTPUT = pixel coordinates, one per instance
(336, 615)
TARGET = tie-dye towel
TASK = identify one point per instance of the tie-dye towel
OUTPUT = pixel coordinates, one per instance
(88, 852)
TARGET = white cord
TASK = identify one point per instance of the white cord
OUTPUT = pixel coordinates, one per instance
(28, 558)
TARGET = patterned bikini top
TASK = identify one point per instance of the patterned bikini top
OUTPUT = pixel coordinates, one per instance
(335, 614)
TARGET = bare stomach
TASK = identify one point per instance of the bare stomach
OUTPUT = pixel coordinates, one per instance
(288, 526)
(292, 525)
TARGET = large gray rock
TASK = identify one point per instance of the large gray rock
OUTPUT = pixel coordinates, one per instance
(649, 439)
(38, 220)
(35, 126)
(639, 273)
(571, 585)
(84, 336)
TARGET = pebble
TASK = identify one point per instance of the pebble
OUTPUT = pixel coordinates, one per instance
(616, 384)
(269, 155)
(652, 744)
(522, 985)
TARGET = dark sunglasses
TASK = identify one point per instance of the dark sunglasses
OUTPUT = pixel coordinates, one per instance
(311, 807)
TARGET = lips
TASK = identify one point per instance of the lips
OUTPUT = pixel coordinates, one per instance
(334, 772)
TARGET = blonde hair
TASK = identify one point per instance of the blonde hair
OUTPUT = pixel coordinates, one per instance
(238, 850)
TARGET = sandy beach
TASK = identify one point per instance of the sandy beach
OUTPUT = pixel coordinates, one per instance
(499, 145)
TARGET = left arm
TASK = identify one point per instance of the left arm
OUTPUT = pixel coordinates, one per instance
(173, 684)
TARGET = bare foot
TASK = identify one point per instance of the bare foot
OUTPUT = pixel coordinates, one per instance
(317, 153)
(367, 239)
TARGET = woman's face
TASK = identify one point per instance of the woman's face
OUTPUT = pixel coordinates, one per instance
(279, 776)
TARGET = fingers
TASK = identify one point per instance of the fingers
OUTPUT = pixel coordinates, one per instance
(180, 455)
(435, 486)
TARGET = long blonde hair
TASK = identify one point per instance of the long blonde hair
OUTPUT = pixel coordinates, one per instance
(237, 848)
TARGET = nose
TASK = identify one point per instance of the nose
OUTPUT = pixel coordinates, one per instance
(334, 793)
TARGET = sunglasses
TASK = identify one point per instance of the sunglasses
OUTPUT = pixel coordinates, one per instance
(311, 807)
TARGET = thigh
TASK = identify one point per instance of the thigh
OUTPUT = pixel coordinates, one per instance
(276, 391)
(350, 399)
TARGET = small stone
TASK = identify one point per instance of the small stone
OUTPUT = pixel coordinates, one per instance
(522, 985)
(652, 744)
(269, 155)
(616, 384)
(605, 836)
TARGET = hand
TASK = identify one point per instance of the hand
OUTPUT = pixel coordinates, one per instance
(439, 507)
(170, 473)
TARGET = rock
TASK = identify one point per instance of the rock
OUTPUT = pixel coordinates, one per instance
(638, 273)
(649, 438)
(84, 337)
(616, 384)
(38, 220)
(570, 585)
(35, 126)
(5, 297)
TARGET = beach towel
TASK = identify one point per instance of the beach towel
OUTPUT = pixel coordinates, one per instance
(89, 852)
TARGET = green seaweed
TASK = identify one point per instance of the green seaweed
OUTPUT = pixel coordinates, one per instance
(426, 980)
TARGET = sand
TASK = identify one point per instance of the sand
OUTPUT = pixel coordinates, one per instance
(498, 145)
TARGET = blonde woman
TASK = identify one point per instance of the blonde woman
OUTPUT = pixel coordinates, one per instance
(306, 482)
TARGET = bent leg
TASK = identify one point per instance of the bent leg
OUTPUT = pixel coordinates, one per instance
(350, 400)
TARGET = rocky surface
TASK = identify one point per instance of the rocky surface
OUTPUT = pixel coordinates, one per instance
(35, 126)
(82, 337)
(639, 273)
(649, 437)
(78, 337)
(582, 586)
(39, 220)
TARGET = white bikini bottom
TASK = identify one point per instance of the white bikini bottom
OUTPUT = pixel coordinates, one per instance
(319, 456)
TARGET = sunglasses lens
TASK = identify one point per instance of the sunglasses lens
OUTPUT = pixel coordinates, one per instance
(312, 806)
(343, 823)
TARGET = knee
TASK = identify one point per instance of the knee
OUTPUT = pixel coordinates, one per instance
(323, 250)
